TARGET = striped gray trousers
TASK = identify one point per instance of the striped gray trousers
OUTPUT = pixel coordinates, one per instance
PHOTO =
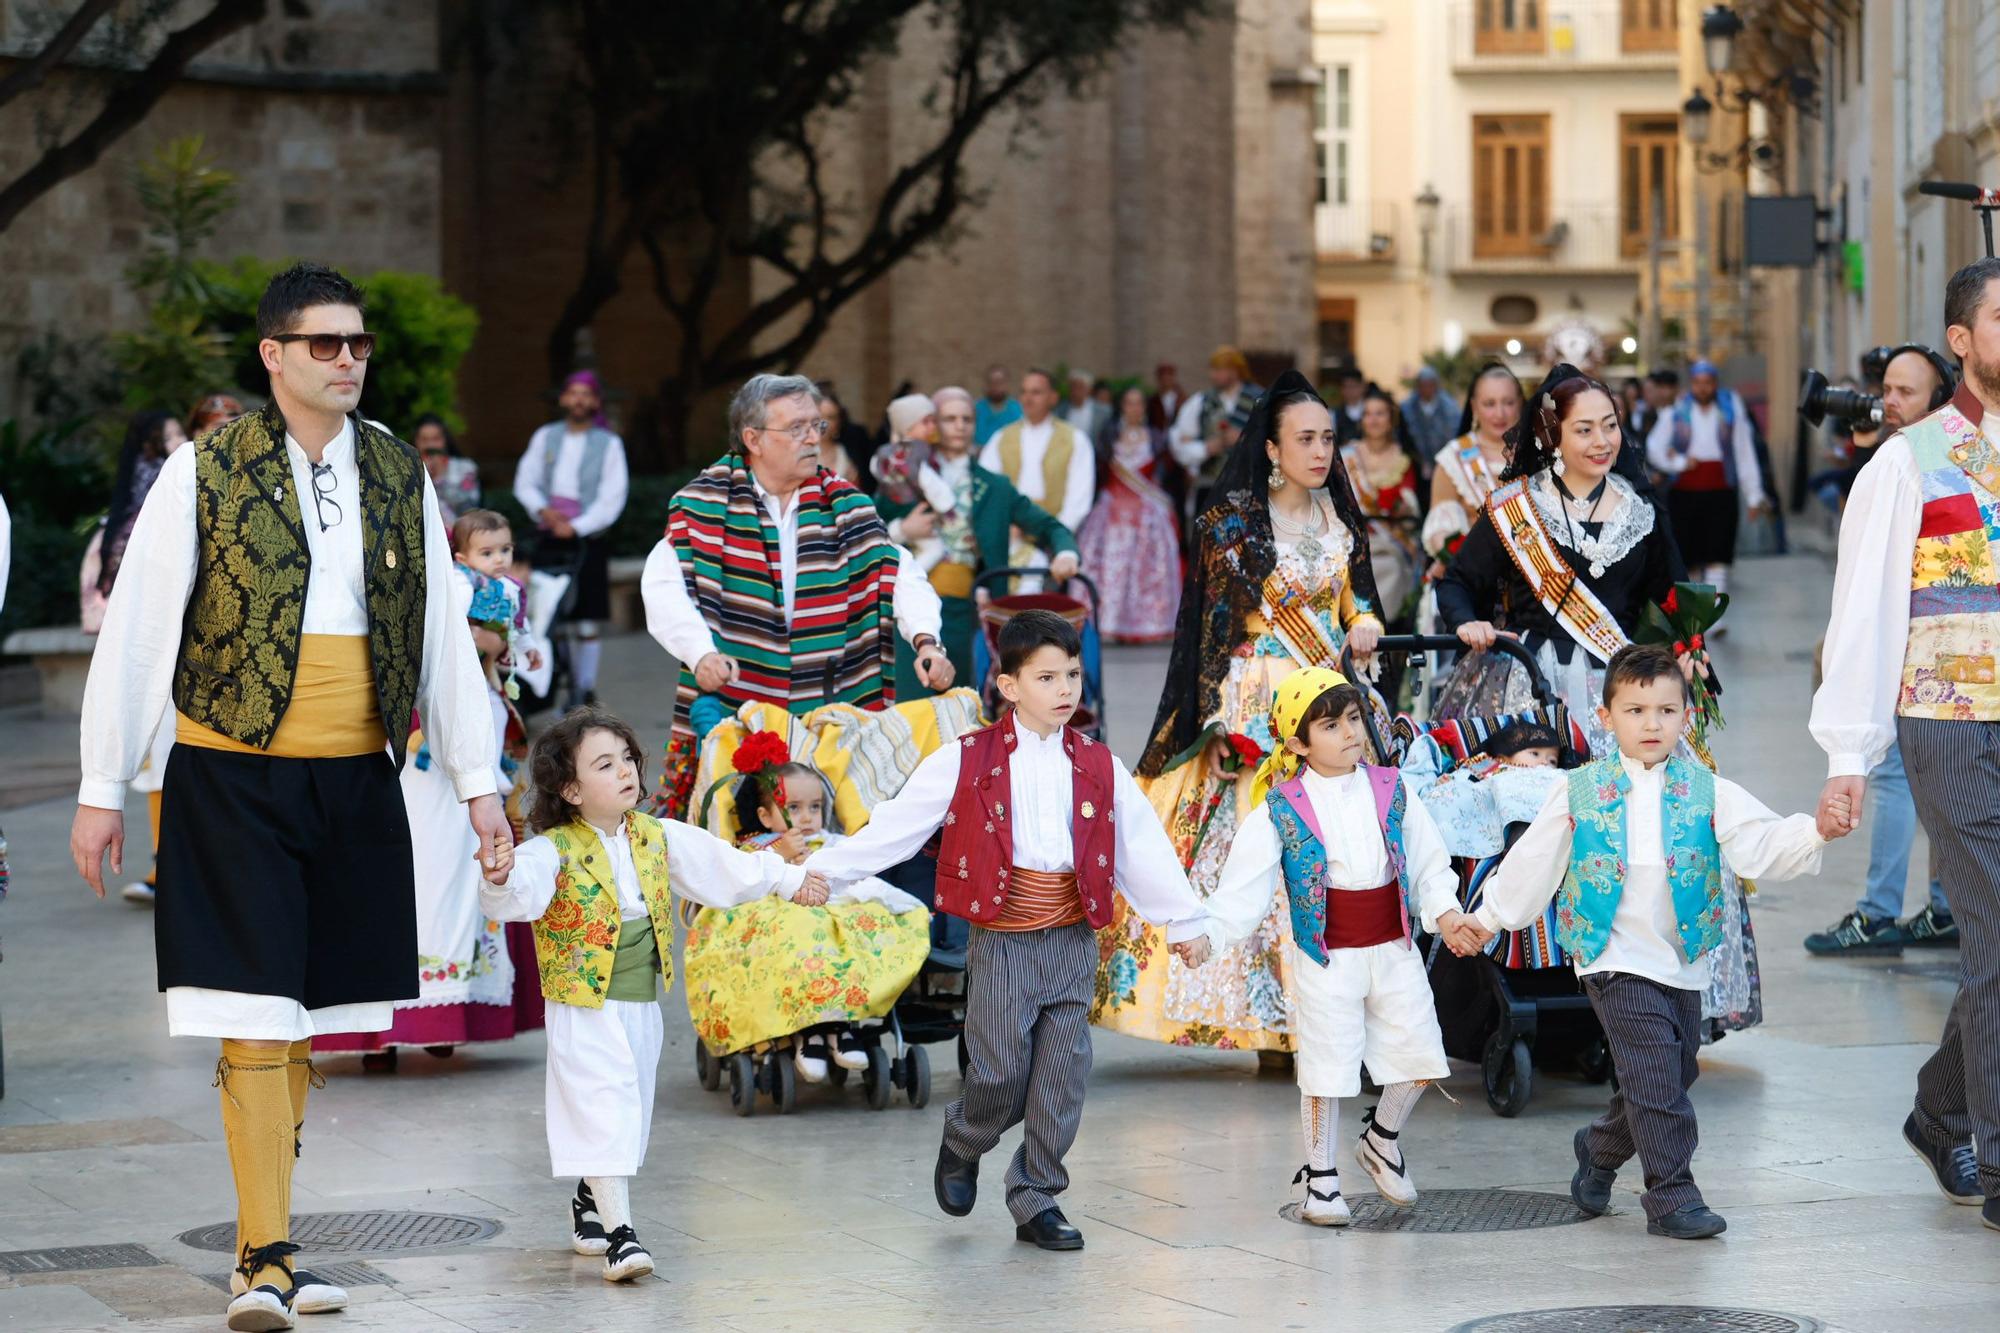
(1027, 1031)
(1954, 772)
(1654, 1032)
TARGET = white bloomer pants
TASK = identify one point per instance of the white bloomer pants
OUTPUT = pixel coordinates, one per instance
(1368, 1005)
(600, 1086)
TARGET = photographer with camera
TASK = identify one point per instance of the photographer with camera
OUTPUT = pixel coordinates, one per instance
(1705, 452)
(1914, 665)
(1916, 381)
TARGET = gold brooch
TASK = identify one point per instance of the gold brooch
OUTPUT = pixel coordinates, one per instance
(391, 560)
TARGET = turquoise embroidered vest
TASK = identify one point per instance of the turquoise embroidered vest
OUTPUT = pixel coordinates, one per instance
(1590, 891)
(1302, 853)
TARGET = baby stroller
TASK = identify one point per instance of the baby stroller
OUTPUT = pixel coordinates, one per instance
(1081, 612)
(887, 985)
(1518, 1006)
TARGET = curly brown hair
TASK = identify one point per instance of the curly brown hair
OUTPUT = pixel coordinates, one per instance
(552, 763)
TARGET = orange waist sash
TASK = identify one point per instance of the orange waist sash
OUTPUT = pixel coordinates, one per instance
(1039, 900)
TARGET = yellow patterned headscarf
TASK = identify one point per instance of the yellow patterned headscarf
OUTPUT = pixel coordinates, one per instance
(1294, 695)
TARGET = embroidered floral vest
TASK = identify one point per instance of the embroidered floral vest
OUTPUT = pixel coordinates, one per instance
(1949, 661)
(576, 937)
(1588, 898)
(240, 637)
(1302, 853)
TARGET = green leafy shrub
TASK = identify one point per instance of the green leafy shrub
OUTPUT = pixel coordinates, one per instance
(56, 480)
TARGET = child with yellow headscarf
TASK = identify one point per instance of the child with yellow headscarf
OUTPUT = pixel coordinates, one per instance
(1359, 860)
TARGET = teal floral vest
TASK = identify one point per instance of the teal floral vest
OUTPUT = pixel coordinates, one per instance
(1589, 895)
(1303, 853)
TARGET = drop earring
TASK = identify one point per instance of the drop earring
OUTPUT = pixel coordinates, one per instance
(1560, 466)
(1277, 478)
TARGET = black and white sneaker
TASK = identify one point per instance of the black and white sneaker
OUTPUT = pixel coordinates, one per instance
(587, 1236)
(626, 1259)
(267, 1306)
(1930, 929)
(1855, 935)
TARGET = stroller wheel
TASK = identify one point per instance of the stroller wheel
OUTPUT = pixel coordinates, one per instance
(880, 1078)
(784, 1082)
(706, 1066)
(1509, 1072)
(742, 1084)
(1596, 1061)
(917, 1076)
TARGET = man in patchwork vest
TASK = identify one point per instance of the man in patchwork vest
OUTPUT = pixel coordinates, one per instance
(1914, 661)
(573, 483)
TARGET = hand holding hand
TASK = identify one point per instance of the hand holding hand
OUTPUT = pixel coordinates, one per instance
(1462, 934)
(489, 821)
(814, 891)
(503, 865)
(1063, 566)
(1477, 635)
(1839, 812)
(1194, 952)
(713, 672)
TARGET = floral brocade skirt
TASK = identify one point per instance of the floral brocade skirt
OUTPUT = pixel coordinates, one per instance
(770, 968)
(1237, 1002)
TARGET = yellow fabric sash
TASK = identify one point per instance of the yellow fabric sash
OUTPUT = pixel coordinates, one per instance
(1555, 585)
(333, 713)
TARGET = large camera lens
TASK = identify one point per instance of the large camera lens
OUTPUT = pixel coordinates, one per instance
(1819, 400)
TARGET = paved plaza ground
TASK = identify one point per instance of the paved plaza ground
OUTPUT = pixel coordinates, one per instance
(109, 1137)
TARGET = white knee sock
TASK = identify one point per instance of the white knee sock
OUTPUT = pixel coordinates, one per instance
(583, 662)
(614, 1203)
(1319, 1118)
(1391, 1114)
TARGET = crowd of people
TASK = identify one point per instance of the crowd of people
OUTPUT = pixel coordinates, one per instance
(1255, 881)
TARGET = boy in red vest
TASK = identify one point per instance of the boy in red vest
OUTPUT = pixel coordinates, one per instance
(1038, 826)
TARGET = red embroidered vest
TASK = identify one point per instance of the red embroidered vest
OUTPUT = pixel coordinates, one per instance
(976, 846)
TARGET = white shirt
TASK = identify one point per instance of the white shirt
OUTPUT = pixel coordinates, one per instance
(566, 477)
(1357, 857)
(1146, 870)
(1705, 445)
(1854, 713)
(1645, 934)
(703, 867)
(675, 621)
(132, 669)
(1080, 489)
(1190, 446)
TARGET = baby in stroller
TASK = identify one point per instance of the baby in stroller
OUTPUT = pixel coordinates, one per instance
(1510, 766)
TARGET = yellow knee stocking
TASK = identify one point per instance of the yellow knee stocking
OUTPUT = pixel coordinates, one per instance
(153, 799)
(258, 1125)
(300, 1078)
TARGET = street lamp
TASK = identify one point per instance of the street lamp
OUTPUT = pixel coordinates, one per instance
(1720, 27)
(1427, 219)
(1697, 115)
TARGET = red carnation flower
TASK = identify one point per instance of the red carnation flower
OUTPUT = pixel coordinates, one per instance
(1673, 602)
(1695, 643)
(1680, 646)
(760, 750)
(1248, 752)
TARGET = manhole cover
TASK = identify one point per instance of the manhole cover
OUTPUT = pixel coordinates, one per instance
(78, 1258)
(1642, 1319)
(1458, 1210)
(359, 1233)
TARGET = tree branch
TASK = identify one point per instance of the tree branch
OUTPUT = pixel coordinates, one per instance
(128, 104)
(29, 75)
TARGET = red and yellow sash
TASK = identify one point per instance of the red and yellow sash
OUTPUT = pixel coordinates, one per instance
(1562, 594)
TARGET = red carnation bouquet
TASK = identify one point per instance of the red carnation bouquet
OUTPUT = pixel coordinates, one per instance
(759, 758)
(1243, 752)
(1682, 622)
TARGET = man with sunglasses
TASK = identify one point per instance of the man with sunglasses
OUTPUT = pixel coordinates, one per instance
(573, 482)
(777, 582)
(288, 586)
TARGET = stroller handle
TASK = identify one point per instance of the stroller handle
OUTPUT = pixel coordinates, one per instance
(1027, 571)
(1411, 644)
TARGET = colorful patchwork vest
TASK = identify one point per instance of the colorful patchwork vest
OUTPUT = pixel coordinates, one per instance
(1588, 898)
(239, 652)
(1949, 662)
(976, 844)
(1303, 854)
(576, 937)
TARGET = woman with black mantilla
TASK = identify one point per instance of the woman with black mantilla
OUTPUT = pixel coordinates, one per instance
(1569, 550)
(1280, 581)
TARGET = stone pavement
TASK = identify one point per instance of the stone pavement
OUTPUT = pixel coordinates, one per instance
(109, 1136)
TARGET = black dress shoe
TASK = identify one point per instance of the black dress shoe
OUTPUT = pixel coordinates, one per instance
(957, 1182)
(1590, 1187)
(1050, 1230)
(1989, 1214)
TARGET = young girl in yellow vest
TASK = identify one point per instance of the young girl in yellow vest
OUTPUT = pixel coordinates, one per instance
(598, 884)
(1631, 848)
(1357, 856)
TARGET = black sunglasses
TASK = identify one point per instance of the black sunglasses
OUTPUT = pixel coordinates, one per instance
(326, 346)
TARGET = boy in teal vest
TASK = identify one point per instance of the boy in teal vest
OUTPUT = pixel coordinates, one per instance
(1632, 848)
(1357, 858)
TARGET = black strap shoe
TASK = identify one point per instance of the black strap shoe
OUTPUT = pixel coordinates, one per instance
(587, 1234)
(1697, 1221)
(956, 1181)
(1050, 1230)
(1590, 1187)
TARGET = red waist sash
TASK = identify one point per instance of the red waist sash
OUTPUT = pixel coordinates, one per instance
(1361, 918)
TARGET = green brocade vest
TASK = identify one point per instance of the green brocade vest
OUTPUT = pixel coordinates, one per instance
(239, 652)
